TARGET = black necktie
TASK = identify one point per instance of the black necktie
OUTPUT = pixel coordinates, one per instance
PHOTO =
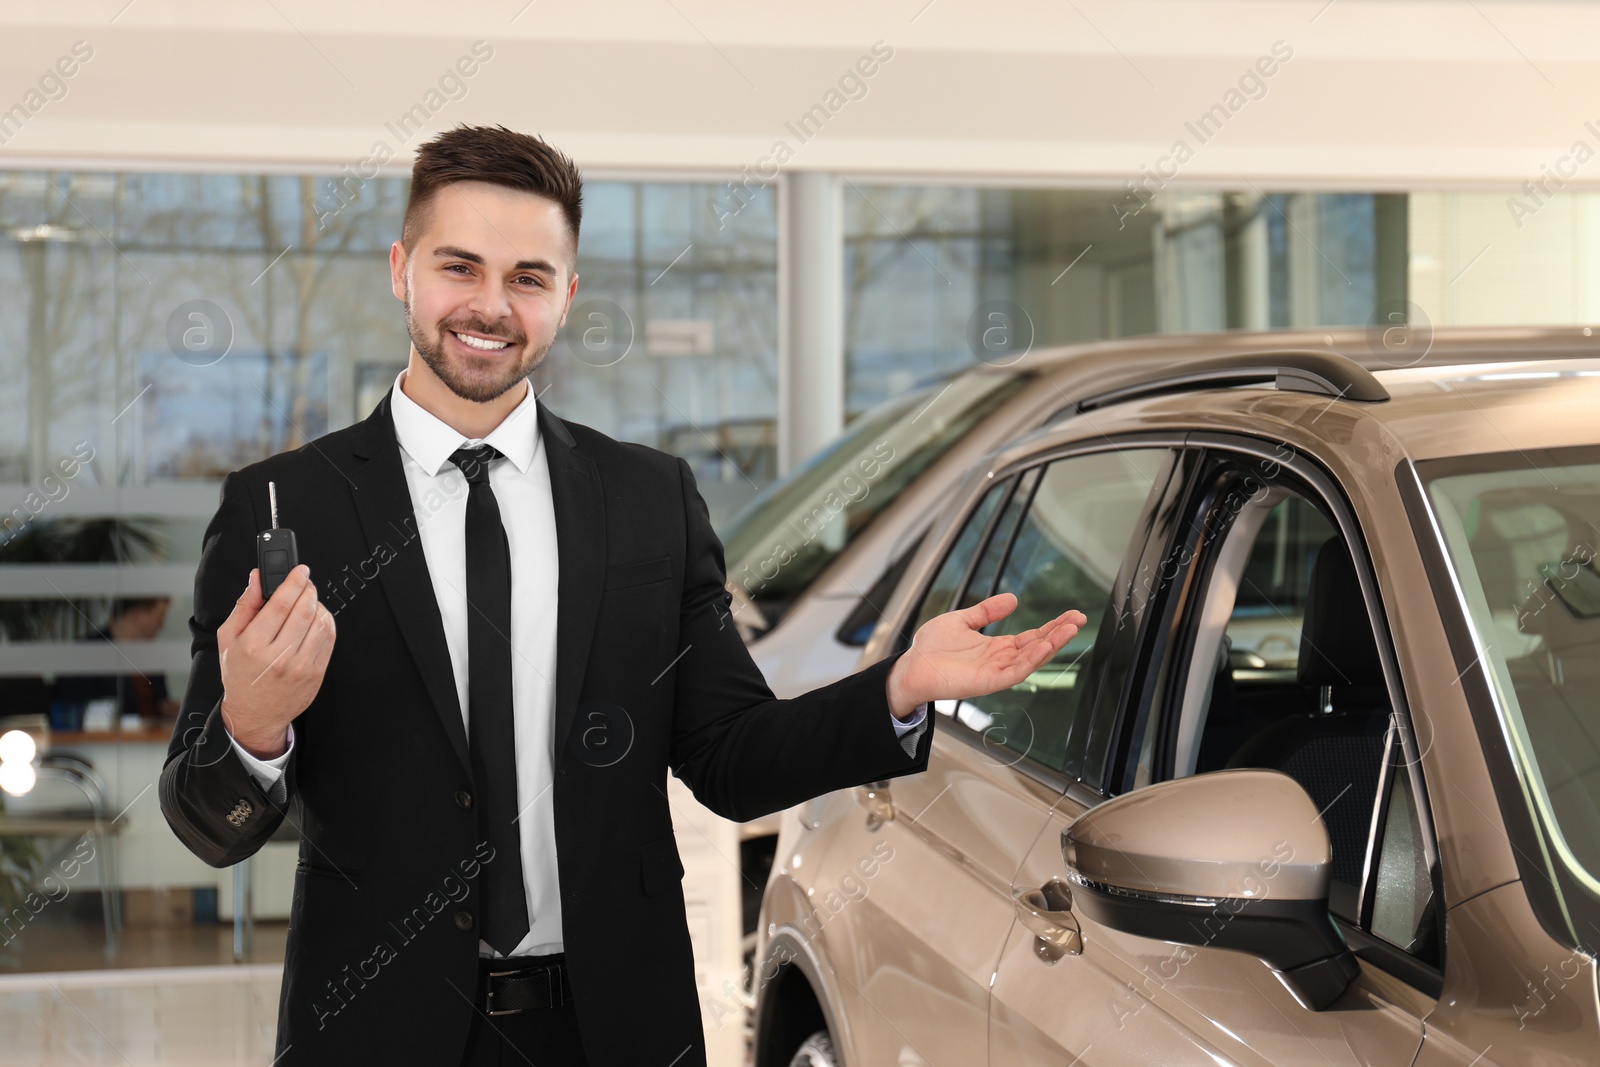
(504, 904)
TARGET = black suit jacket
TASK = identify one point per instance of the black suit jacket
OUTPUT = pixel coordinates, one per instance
(382, 950)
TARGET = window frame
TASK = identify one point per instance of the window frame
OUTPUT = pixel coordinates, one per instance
(1180, 612)
(1012, 472)
(1026, 483)
(1006, 484)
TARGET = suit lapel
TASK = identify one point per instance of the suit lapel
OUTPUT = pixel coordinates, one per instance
(581, 556)
(383, 503)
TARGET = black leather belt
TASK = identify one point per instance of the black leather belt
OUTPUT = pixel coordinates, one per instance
(521, 983)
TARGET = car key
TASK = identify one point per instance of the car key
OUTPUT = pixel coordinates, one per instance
(276, 553)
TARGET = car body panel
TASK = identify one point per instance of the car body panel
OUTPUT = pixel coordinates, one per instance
(1136, 998)
(955, 839)
(1511, 995)
(918, 953)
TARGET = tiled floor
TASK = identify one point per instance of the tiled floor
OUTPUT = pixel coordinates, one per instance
(171, 995)
(172, 1017)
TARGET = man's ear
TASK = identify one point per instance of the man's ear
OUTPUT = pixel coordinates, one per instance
(572, 293)
(397, 270)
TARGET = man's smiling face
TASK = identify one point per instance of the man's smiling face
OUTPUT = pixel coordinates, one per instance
(486, 287)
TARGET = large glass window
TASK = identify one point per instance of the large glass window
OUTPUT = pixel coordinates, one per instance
(942, 277)
(168, 328)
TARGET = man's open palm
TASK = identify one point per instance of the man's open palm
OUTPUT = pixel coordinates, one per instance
(950, 659)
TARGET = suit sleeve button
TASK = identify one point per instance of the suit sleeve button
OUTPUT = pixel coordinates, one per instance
(463, 920)
(464, 798)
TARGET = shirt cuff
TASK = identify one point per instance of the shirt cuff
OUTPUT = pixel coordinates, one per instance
(266, 772)
(901, 728)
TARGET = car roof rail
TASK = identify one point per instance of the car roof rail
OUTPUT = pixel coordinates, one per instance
(1301, 371)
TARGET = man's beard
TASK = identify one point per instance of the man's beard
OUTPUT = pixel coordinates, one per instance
(479, 386)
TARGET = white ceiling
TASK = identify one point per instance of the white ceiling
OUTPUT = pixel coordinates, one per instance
(1409, 93)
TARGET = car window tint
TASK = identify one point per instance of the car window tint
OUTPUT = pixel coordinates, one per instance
(983, 574)
(941, 594)
(1402, 896)
(1523, 538)
(1265, 625)
(1068, 549)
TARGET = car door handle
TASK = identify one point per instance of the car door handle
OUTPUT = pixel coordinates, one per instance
(1046, 913)
(874, 796)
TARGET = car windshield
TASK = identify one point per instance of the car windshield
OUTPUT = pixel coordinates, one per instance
(779, 542)
(1521, 534)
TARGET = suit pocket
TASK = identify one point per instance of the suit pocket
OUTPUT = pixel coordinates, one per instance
(329, 870)
(629, 574)
(659, 865)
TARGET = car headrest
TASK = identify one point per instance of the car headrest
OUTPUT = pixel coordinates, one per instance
(1336, 642)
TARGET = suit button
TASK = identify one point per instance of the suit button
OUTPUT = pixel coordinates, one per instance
(464, 798)
(463, 920)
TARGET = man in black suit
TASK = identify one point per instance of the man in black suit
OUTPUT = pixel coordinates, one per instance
(532, 629)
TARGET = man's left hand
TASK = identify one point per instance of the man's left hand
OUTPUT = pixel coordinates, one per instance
(950, 660)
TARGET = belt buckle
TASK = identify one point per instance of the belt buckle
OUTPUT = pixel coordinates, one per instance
(488, 985)
(552, 989)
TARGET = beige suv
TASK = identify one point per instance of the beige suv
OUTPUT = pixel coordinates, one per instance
(1319, 783)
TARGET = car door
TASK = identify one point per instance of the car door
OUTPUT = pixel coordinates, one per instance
(1253, 531)
(916, 952)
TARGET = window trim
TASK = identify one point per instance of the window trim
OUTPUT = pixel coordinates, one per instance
(1200, 492)
(1154, 631)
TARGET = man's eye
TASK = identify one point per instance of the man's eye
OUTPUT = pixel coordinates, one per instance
(454, 266)
(529, 279)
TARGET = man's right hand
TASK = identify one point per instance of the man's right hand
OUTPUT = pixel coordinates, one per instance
(273, 655)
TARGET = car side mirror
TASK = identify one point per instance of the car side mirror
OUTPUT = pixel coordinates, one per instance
(1234, 859)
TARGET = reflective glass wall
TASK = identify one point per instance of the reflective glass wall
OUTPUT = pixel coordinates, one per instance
(161, 330)
(937, 277)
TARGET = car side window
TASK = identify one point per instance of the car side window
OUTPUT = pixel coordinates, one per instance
(1065, 552)
(1403, 901)
(1279, 667)
(941, 594)
(988, 566)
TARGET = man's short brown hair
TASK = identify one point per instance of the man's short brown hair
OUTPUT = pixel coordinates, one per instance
(498, 156)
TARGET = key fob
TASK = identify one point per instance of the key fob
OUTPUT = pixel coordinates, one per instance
(276, 555)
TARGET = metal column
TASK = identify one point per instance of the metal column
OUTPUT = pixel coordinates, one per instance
(810, 315)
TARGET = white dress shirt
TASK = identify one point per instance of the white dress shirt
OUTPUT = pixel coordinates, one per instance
(521, 485)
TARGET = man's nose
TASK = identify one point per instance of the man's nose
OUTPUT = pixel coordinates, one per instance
(490, 301)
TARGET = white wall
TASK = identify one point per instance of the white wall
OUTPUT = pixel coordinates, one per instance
(1376, 95)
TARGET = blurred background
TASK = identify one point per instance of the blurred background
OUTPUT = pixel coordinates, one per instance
(794, 214)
